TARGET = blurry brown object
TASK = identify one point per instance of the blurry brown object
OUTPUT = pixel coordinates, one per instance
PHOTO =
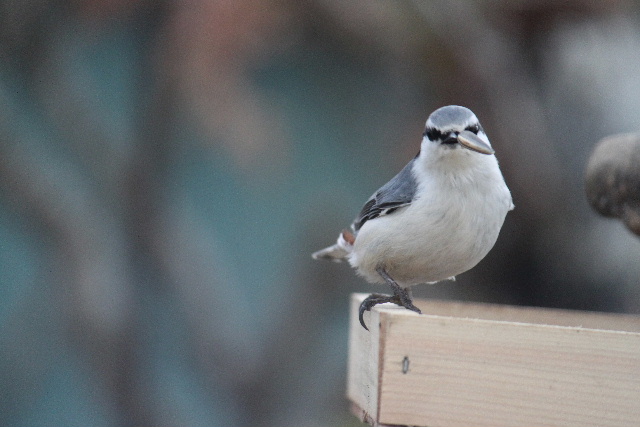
(211, 51)
(613, 179)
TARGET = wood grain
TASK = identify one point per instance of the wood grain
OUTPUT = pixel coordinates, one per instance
(491, 365)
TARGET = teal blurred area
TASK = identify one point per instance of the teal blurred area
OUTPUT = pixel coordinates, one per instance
(167, 168)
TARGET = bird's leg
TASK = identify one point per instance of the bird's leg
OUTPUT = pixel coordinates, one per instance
(401, 296)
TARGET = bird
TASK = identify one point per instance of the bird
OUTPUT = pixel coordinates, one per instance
(437, 218)
(612, 179)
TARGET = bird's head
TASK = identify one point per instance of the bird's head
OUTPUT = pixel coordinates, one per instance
(453, 127)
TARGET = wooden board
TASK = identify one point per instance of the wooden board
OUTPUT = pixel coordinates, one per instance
(463, 364)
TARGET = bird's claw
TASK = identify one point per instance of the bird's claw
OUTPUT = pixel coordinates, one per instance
(404, 300)
(374, 299)
(369, 302)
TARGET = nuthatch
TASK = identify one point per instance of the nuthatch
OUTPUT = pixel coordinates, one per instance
(435, 219)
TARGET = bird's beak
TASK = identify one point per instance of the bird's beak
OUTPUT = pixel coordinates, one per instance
(471, 141)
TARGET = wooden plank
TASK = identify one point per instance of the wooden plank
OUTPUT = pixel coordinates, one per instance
(491, 365)
(364, 370)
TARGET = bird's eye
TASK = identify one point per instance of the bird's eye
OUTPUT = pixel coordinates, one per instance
(473, 128)
(433, 134)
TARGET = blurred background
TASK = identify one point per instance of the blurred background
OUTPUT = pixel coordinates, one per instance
(166, 169)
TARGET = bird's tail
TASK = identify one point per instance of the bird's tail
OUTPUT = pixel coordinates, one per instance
(340, 250)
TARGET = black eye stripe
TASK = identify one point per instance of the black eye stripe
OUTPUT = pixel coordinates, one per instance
(433, 134)
(473, 128)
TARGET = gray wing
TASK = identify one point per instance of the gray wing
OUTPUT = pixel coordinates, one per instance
(394, 194)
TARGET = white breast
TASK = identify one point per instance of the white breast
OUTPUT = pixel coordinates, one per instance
(451, 225)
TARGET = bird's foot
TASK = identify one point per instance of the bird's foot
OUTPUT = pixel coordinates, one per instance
(401, 298)
(407, 303)
(372, 300)
(404, 298)
(403, 294)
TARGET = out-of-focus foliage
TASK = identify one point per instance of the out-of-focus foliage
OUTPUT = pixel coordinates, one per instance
(166, 169)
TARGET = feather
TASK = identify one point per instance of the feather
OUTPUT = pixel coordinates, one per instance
(395, 194)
